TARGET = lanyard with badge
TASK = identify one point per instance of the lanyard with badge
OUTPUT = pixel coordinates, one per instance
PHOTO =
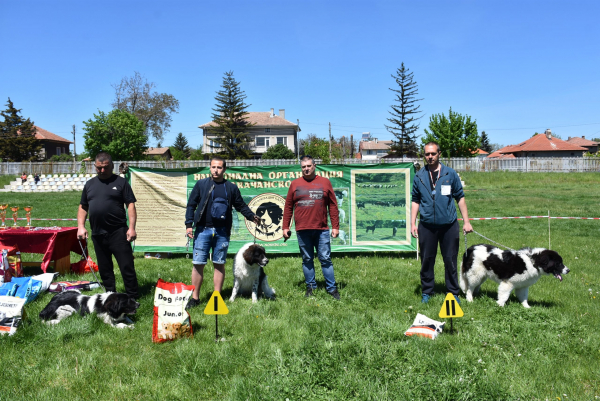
(436, 181)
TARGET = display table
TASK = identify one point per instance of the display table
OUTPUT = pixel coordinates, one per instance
(56, 244)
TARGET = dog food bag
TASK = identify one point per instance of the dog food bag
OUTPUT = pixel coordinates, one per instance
(425, 327)
(28, 289)
(171, 320)
(11, 313)
(45, 279)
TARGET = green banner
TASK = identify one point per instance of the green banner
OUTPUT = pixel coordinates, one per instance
(373, 204)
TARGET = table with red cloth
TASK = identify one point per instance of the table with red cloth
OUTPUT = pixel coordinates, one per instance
(55, 243)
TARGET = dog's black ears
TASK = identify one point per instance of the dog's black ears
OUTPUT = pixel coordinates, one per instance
(114, 306)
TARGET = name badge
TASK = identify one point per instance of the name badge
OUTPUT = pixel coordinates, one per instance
(446, 190)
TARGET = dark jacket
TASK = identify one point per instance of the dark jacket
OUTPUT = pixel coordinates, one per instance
(442, 210)
(198, 200)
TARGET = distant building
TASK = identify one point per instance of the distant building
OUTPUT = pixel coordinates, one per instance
(591, 146)
(268, 130)
(163, 153)
(541, 145)
(482, 154)
(373, 150)
(52, 144)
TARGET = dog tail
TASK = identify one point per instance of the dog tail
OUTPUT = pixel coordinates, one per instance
(463, 275)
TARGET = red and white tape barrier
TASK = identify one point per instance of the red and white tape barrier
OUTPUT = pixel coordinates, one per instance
(532, 217)
(24, 218)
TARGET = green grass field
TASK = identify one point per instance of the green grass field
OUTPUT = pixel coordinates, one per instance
(297, 348)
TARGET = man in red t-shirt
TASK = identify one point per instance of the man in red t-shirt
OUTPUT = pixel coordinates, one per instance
(308, 199)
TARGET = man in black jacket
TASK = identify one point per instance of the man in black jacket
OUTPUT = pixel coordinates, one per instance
(209, 209)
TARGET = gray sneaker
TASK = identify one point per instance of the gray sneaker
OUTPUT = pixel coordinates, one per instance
(192, 303)
(335, 294)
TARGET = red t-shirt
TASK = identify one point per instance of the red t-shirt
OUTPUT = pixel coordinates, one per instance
(309, 201)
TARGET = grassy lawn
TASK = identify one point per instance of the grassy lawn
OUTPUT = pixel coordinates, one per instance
(318, 348)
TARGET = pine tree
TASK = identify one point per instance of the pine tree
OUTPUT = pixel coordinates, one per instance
(405, 113)
(230, 117)
(17, 136)
(181, 144)
(485, 142)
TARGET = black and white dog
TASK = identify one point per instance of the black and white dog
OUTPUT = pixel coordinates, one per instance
(512, 270)
(248, 273)
(111, 307)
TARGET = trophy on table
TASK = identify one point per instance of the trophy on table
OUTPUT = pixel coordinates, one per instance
(15, 209)
(3, 207)
(28, 215)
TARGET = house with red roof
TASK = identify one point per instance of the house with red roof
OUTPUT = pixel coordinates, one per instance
(373, 150)
(52, 144)
(268, 129)
(163, 153)
(591, 146)
(541, 145)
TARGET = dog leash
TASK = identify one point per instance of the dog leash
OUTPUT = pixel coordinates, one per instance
(483, 236)
(91, 267)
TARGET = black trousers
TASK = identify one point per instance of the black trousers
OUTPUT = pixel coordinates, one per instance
(448, 239)
(115, 243)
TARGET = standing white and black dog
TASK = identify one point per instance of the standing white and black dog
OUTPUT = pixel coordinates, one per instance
(248, 272)
(512, 270)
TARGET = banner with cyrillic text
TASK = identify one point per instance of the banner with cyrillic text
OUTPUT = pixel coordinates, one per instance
(373, 203)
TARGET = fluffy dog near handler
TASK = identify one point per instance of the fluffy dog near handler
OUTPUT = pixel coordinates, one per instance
(512, 270)
(248, 272)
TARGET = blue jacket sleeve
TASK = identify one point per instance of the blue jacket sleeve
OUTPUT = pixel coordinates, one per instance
(416, 194)
(192, 204)
(457, 189)
(239, 204)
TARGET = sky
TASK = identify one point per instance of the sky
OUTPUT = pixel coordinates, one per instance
(516, 67)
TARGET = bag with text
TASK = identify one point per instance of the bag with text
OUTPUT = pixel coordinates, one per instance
(425, 327)
(10, 264)
(171, 320)
(11, 313)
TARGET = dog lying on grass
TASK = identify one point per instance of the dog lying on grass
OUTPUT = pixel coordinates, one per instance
(248, 272)
(111, 307)
(512, 270)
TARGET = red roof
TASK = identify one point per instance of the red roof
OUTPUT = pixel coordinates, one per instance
(372, 145)
(481, 152)
(581, 141)
(42, 134)
(538, 143)
(261, 119)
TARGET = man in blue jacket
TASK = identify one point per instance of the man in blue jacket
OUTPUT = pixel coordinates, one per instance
(209, 209)
(435, 188)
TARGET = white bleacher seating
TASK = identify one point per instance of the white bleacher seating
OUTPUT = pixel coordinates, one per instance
(44, 179)
(49, 176)
(13, 187)
(69, 179)
(43, 176)
(68, 176)
(87, 176)
(29, 176)
(61, 188)
(19, 187)
(62, 176)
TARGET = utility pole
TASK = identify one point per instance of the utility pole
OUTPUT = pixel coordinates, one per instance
(352, 146)
(74, 149)
(329, 142)
(298, 139)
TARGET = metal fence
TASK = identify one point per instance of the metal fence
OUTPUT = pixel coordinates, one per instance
(524, 164)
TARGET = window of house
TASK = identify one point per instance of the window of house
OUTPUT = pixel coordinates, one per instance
(370, 152)
(213, 144)
(58, 151)
(267, 130)
(261, 141)
(282, 139)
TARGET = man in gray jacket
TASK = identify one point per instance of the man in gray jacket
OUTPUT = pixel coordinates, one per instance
(435, 188)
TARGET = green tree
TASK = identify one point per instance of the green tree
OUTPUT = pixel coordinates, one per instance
(119, 133)
(456, 134)
(318, 148)
(279, 151)
(196, 154)
(231, 121)
(17, 136)
(485, 142)
(177, 154)
(135, 95)
(405, 113)
(181, 144)
(63, 157)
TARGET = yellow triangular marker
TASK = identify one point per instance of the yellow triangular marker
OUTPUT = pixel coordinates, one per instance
(215, 305)
(450, 308)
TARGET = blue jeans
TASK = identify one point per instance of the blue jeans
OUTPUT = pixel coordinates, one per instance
(207, 238)
(308, 240)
